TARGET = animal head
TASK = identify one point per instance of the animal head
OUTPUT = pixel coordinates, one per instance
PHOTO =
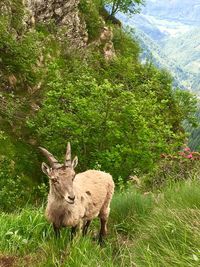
(61, 175)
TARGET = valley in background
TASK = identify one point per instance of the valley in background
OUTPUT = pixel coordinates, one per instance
(169, 35)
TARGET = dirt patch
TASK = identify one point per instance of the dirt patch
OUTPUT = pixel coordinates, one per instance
(7, 261)
(16, 261)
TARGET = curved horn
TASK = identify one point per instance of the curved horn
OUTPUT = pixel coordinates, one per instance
(52, 160)
(68, 162)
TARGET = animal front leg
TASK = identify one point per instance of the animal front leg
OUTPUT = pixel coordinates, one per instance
(56, 231)
(73, 231)
(85, 227)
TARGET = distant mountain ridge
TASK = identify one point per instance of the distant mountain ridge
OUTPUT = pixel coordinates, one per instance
(186, 11)
(169, 33)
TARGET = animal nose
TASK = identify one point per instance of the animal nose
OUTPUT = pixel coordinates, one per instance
(71, 198)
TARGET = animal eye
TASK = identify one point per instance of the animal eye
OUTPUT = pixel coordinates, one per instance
(54, 180)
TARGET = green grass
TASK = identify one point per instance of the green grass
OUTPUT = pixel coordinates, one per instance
(144, 230)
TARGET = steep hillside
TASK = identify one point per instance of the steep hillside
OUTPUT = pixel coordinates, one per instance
(81, 82)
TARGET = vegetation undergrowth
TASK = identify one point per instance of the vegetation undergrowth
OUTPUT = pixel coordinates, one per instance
(160, 229)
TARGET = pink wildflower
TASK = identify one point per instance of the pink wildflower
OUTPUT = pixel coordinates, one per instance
(189, 156)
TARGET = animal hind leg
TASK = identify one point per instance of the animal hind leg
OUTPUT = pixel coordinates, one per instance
(103, 230)
(104, 214)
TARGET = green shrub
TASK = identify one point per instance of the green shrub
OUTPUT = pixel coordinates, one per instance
(106, 124)
(124, 43)
(13, 189)
(17, 189)
(90, 12)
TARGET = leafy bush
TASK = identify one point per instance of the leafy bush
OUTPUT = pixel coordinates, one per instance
(107, 124)
(16, 187)
(124, 6)
(124, 43)
(13, 189)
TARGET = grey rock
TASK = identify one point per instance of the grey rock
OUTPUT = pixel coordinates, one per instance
(65, 13)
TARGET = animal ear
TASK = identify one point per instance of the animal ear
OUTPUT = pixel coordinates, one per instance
(45, 168)
(74, 162)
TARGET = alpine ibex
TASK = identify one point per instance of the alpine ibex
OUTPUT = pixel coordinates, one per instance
(76, 198)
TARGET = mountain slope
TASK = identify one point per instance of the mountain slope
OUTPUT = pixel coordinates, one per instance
(173, 29)
(186, 44)
(152, 51)
(186, 51)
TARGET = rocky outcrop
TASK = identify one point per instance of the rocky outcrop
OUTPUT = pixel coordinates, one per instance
(105, 43)
(108, 47)
(64, 13)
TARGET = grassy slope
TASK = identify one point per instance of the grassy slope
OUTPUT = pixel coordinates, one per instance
(145, 230)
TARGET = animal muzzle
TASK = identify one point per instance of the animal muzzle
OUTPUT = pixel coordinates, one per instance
(70, 199)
